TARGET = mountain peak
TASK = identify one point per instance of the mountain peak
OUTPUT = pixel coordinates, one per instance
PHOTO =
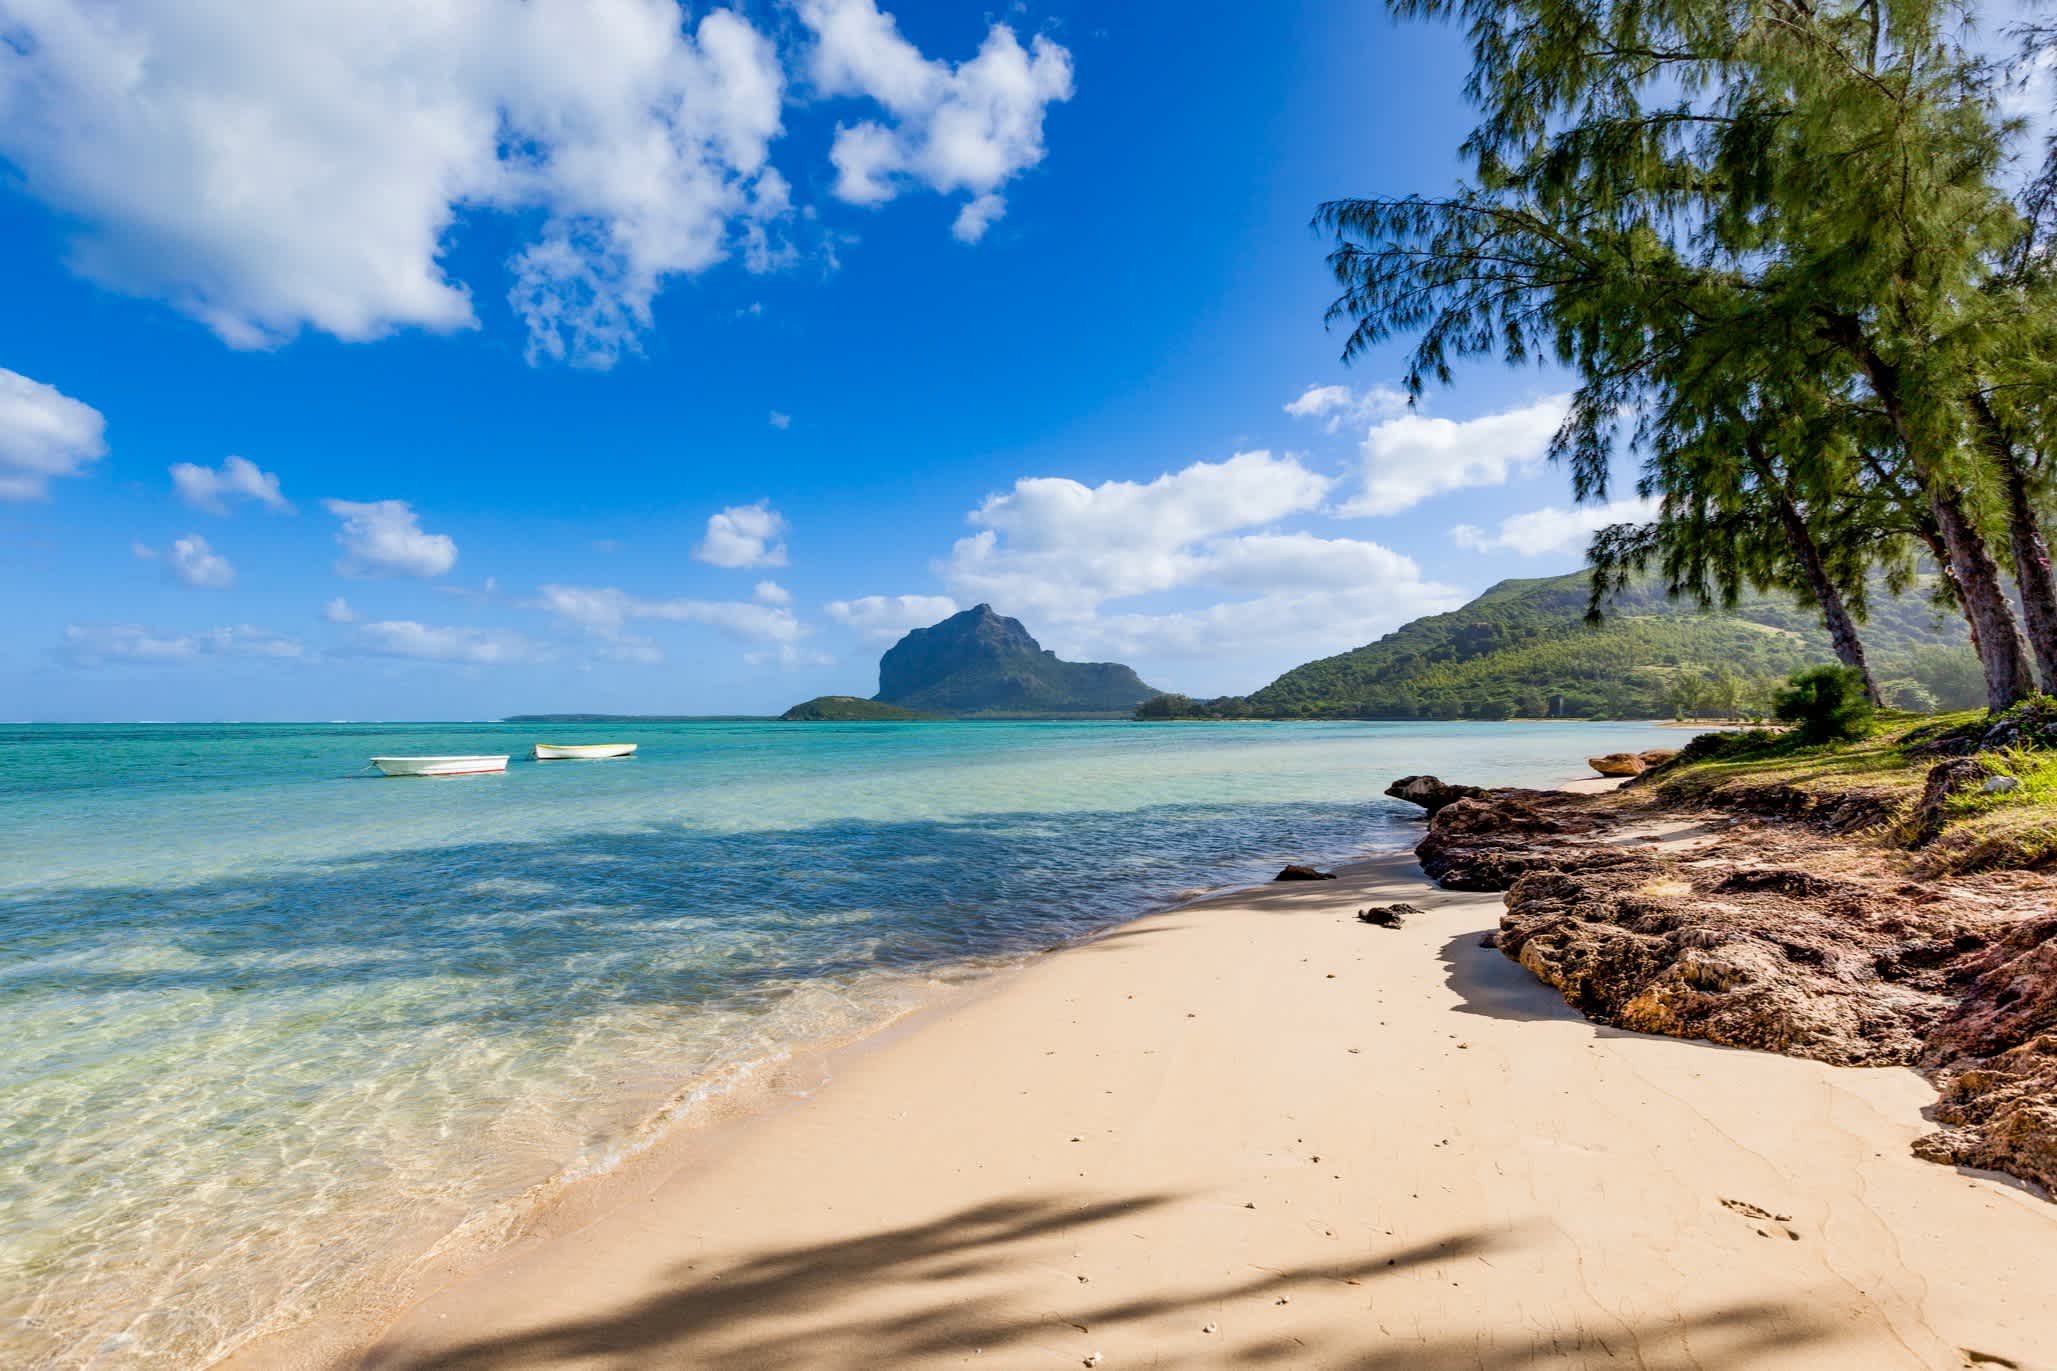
(981, 661)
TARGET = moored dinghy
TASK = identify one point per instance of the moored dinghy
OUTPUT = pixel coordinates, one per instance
(582, 752)
(439, 766)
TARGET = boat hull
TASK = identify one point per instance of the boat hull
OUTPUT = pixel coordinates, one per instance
(582, 752)
(439, 766)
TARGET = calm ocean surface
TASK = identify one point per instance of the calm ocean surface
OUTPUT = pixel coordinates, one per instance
(274, 1026)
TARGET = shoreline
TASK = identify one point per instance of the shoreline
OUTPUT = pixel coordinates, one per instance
(699, 1113)
(922, 1195)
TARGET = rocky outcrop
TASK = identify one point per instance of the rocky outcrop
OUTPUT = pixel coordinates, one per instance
(1430, 793)
(1945, 780)
(1995, 1059)
(1619, 764)
(1296, 872)
(1772, 958)
(1489, 841)
(1777, 933)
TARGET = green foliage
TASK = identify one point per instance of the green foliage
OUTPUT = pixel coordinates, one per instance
(1780, 238)
(1826, 704)
(1716, 747)
(1952, 677)
(1524, 650)
(1906, 693)
(848, 709)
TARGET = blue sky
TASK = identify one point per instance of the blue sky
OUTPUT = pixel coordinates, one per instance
(647, 358)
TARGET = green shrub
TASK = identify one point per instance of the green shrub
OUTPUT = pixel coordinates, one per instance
(1825, 704)
(1728, 746)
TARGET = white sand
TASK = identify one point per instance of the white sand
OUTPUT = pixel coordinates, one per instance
(1253, 1133)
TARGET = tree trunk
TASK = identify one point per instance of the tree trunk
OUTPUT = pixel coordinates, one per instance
(1995, 633)
(2029, 549)
(2032, 574)
(1842, 630)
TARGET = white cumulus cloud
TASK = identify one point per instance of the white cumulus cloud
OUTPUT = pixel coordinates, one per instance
(192, 562)
(44, 433)
(1411, 457)
(208, 488)
(771, 593)
(1052, 546)
(1553, 529)
(436, 643)
(338, 611)
(1337, 405)
(385, 538)
(1228, 600)
(294, 164)
(967, 128)
(99, 644)
(297, 164)
(744, 535)
(781, 421)
(886, 617)
(976, 217)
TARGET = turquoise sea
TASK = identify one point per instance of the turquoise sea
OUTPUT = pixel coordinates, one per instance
(276, 1026)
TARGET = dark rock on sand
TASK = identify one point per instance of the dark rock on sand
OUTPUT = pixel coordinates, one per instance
(1304, 873)
(1387, 915)
(1430, 793)
(1619, 764)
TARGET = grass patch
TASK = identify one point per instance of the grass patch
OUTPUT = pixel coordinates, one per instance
(1888, 771)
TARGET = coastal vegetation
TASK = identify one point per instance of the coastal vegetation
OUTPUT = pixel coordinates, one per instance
(1790, 257)
(1524, 649)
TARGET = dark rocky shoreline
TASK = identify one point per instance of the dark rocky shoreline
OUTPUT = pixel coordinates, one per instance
(1755, 918)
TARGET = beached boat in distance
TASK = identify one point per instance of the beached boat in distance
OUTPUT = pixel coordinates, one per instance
(582, 752)
(438, 766)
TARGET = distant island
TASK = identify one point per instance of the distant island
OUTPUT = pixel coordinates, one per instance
(850, 709)
(983, 665)
(1523, 649)
(626, 718)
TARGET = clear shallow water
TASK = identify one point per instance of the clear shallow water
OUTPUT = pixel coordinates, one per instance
(272, 1023)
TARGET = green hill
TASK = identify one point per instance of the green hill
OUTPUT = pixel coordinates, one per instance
(1522, 649)
(848, 709)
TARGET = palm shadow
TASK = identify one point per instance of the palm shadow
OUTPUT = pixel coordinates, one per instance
(976, 1283)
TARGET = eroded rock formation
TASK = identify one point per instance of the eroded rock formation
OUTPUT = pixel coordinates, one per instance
(1769, 930)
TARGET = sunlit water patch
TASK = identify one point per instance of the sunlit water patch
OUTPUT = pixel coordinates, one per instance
(275, 1026)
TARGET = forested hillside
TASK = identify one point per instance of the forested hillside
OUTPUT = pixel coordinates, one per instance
(1523, 649)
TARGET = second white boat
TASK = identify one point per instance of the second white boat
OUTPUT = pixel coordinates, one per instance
(439, 766)
(582, 752)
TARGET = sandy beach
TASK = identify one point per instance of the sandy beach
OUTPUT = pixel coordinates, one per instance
(1256, 1132)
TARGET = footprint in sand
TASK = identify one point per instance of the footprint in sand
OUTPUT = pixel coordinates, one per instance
(1751, 1211)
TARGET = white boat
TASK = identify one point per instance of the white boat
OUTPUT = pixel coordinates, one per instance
(438, 766)
(582, 752)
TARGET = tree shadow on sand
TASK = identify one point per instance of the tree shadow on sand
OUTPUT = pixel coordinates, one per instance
(992, 1281)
